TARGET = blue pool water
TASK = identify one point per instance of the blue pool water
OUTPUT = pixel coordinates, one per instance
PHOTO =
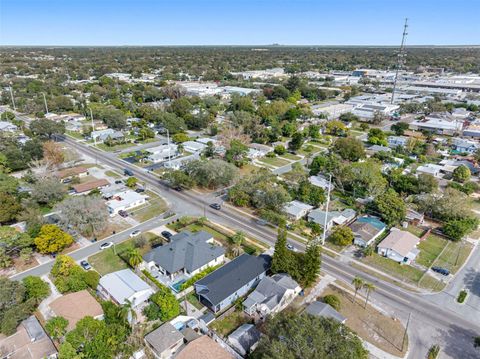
(176, 286)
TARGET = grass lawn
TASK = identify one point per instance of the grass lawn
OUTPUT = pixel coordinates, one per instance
(290, 156)
(121, 146)
(454, 255)
(154, 207)
(317, 144)
(406, 272)
(107, 261)
(112, 174)
(193, 300)
(194, 227)
(356, 133)
(431, 283)
(274, 161)
(229, 323)
(430, 248)
(75, 135)
(380, 330)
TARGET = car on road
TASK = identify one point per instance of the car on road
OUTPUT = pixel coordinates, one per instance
(167, 235)
(85, 265)
(135, 233)
(289, 246)
(127, 172)
(123, 213)
(261, 222)
(118, 181)
(106, 245)
(216, 206)
(140, 190)
(178, 189)
(442, 271)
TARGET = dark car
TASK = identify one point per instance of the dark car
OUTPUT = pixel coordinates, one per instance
(85, 265)
(289, 246)
(216, 206)
(118, 181)
(441, 270)
(178, 189)
(123, 213)
(167, 235)
(127, 172)
(140, 190)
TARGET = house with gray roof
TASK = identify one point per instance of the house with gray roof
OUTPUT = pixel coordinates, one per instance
(222, 287)
(366, 230)
(244, 339)
(296, 210)
(165, 341)
(320, 309)
(187, 253)
(271, 295)
(333, 217)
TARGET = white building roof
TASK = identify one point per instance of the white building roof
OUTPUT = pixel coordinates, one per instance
(192, 146)
(296, 208)
(123, 285)
(124, 199)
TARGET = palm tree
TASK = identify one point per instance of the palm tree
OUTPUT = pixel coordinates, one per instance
(358, 283)
(369, 287)
(237, 240)
(127, 312)
(134, 257)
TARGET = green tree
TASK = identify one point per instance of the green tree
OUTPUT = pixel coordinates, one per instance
(164, 306)
(290, 336)
(459, 228)
(358, 284)
(211, 174)
(281, 255)
(342, 236)
(349, 148)
(377, 137)
(180, 137)
(178, 178)
(237, 153)
(280, 150)
(399, 128)
(47, 129)
(52, 239)
(461, 173)
(134, 257)
(36, 288)
(369, 288)
(57, 328)
(131, 182)
(336, 128)
(333, 301)
(310, 264)
(47, 191)
(390, 206)
(9, 208)
(237, 240)
(296, 142)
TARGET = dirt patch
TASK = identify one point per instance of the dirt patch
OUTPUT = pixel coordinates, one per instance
(378, 329)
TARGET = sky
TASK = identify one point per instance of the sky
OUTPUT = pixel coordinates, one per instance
(238, 22)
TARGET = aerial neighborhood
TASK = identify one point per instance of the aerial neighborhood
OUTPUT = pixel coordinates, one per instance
(239, 202)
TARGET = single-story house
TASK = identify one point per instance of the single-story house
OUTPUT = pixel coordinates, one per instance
(324, 310)
(430, 169)
(187, 253)
(29, 342)
(85, 188)
(101, 135)
(271, 295)
(165, 341)
(75, 306)
(124, 285)
(6, 126)
(415, 217)
(400, 246)
(465, 146)
(162, 152)
(203, 348)
(366, 230)
(333, 218)
(244, 339)
(192, 146)
(68, 173)
(221, 288)
(321, 182)
(124, 201)
(180, 162)
(296, 210)
(377, 149)
(111, 190)
(397, 141)
(206, 140)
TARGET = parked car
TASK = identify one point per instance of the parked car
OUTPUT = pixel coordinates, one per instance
(443, 271)
(106, 245)
(178, 189)
(167, 235)
(118, 181)
(127, 172)
(67, 180)
(289, 246)
(140, 190)
(135, 233)
(85, 265)
(216, 206)
(123, 213)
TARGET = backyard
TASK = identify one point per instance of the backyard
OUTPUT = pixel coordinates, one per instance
(154, 207)
(230, 322)
(274, 161)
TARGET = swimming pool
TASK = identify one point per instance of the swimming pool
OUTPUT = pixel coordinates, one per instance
(176, 286)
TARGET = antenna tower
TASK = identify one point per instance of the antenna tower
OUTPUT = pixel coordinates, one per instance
(401, 57)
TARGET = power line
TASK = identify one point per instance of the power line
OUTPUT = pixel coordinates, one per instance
(401, 57)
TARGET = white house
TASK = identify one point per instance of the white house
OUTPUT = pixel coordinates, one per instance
(7, 127)
(272, 295)
(162, 153)
(400, 246)
(124, 285)
(124, 201)
(296, 210)
(430, 169)
(333, 218)
(193, 147)
(321, 182)
(397, 141)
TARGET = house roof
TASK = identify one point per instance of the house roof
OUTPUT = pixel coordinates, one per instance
(364, 230)
(320, 309)
(88, 186)
(221, 283)
(400, 241)
(163, 337)
(270, 290)
(244, 337)
(123, 284)
(72, 171)
(296, 208)
(203, 348)
(75, 306)
(318, 216)
(186, 250)
(124, 199)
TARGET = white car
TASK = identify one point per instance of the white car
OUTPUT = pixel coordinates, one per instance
(135, 233)
(106, 245)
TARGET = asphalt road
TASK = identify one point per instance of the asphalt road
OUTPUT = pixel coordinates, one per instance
(430, 323)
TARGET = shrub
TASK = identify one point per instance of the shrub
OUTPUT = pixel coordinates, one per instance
(91, 278)
(433, 351)
(333, 301)
(197, 277)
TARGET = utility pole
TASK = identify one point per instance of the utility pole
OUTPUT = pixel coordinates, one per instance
(169, 155)
(406, 328)
(400, 58)
(13, 100)
(326, 210)
(45, 102)
(93, 128)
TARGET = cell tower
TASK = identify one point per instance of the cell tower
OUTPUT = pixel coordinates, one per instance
(401, 57)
